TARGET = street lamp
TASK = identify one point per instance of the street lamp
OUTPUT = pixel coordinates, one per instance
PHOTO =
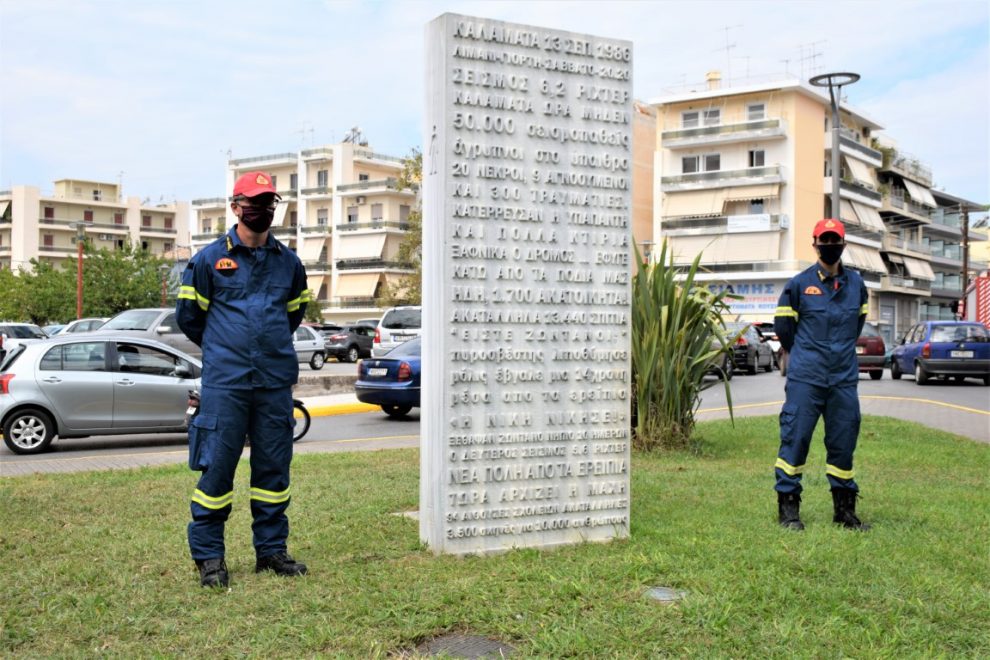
(80, 228)
(835, 82)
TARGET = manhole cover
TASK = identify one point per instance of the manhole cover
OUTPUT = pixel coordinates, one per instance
(465, 646)
(665, 594)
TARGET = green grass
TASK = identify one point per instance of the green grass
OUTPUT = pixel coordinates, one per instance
(97, 563)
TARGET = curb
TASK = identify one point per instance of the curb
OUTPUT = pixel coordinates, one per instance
(341, 409)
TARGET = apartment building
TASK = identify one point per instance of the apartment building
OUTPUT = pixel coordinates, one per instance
(745, 172)
(45, 226)
(342, 213)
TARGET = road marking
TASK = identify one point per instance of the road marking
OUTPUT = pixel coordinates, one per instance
(868, 396)
(342, 409)
(384, 437)
(742, 407)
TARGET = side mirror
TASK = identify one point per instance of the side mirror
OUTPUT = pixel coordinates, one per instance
(164, 329)
(182, 371)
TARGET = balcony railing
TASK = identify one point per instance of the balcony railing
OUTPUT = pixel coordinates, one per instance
(160, 230)
(908, 164)
(69, 224)
(207, 236)
(368, 153)
(719, 224)
(900, 282)
(317, 190)
(57, 248)
(390, 183)
(721, 129)
(287, 194)
(287, 155)
(872, 154)
(894, 243)
(318, 229)
(318, 151)
(209, 201)
(352, 226)
(354, 301)
(950, 219)
(370, 262)
(899, 202)
(719, 178)
(4, 249)
(859, 189)
(283, 232)
(316, 264)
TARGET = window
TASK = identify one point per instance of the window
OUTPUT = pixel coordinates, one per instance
(713, 162)
(689, 119)
(757, 157)
(118, 218)
(756, 206)
(713, 117)
(274, 182)
(89, 356)
(352, 214)
(145, 220)
(167, 246)
(376, 212)
(293, 181)
(363, 177)
(87, 216)
(97, 195)
(689, 164)
(144, 245)
(141, 359)
(48, 240)
(403, 213)
(756, 111)
(321, 217)
(322, 178)
(293, 218)
(49, 211)
(207, 225)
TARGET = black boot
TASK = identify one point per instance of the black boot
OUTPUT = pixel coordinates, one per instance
(789, 510)
(844, 501)
(280, 563)
(213, 573)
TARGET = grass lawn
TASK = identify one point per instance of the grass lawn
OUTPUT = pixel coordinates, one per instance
(97, 563)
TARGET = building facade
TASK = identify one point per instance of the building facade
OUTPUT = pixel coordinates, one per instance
(341, 211)
(45, 226)
(744, 173)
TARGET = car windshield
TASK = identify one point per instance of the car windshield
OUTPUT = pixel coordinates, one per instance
(972, 332)
(23, 331)
(132, 320)
(869, 330)
(11, 356)
(399, 319)
(411, 348)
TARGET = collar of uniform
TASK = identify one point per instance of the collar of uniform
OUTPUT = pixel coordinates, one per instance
(234, 241)
(823, 275)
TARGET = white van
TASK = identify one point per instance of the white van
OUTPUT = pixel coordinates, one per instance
(397, 325)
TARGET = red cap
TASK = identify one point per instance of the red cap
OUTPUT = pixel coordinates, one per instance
(829, 225)
(253, 184)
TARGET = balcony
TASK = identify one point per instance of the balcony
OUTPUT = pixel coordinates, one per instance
(353, 302)
(850, 146)
(157, 230)
(287, 194)
(317, 191)
(724, 224)
(69, 225)
(723, 134)
(905, 207)
(721, 179)
(354, 226)
(207, 236)
(58, 248)
(907, 166)
(209, 202)
(946, 291)
(4, 249)
(371, 263)
(855, 191)
(368, 154)
(284, 158)
(319, 153)
(284, 232)
(316, 265)
(390, 184)
(318, 229)
(894, 244)
(901, 284)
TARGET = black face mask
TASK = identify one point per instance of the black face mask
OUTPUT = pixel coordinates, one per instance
(257, 218)
(830, 254)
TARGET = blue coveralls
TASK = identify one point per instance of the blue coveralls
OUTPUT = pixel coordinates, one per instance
(242, 305)
(818, 319)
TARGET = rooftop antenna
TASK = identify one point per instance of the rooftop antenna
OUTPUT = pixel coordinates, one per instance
(305, 130)
(787, 71)
(120, 185)
(728, 49)
(812, 55)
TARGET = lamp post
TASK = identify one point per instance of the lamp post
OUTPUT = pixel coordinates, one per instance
(80, 228)
(835, 82)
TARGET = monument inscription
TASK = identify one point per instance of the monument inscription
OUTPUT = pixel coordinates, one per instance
(526, 251)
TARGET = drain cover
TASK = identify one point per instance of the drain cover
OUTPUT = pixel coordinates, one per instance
(665, 594)
(465, 646)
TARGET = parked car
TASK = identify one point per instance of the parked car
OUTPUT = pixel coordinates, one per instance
(397, 325)
(78, 385)
(770, 333)
(82, 325)
(392, 381)
(720, 365)
(52, 329)
(351, 342)
(15, 334)
(870, 350)
(156, 323)
(943, 349)
(310, 346)
(372, 322)
(751, 351)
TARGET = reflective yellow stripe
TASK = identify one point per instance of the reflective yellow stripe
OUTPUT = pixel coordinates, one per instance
(786, 311)
(202, 301)
(838, 472)
(201, 498)
(865, 309)
(788, 469)
(190, 293)
(272, 497)
(304, 297)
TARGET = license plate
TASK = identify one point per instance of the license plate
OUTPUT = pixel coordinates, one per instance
(859, 350)
(961, 354)
(377, 372)
(191, 410)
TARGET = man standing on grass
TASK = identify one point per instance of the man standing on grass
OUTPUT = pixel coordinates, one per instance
(242, 297)
(819, 316)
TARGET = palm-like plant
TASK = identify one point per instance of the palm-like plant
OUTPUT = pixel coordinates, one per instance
(677, 335)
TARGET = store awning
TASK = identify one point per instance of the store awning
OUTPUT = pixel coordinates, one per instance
(869, 218)
(694, 203)
(367, 246)
(918, 268)
(725, 248)
(859, 171)
(358, 285)
(920, 194)
(752, 192)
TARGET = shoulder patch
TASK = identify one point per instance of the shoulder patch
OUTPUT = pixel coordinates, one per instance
(225, 263)
(812, 291)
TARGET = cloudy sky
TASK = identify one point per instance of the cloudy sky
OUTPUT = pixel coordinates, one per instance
(155, 93)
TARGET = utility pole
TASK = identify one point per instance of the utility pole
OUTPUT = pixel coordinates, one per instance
(965, 249)
(80, 239)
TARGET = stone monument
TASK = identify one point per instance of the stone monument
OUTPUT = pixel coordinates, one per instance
(526, 287)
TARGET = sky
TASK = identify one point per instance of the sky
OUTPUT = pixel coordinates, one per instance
(156, 94)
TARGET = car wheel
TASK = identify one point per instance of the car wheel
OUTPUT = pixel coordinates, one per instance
(876, 374)
(29, 432)
(317, 361)
(727, 368)
(396, 412)
(751, 369)
(769, 366)
(986, 381)
(895, 370)
(920, 375)
(352, 354)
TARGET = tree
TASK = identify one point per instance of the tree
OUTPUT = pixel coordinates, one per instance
(409, 289)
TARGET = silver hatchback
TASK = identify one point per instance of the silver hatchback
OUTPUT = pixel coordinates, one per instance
(74, 386)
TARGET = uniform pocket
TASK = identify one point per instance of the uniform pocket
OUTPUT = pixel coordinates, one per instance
(202, 441)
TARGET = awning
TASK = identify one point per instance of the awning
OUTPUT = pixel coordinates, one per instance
(869, 218)
(859, 171)
(3, 207)
(695, 203)
(311, 248)
(724, 248)
(847, 213)
(280, 211)
(367, 246)
(920, 194)
(918, 268)
(752, 192)
(895, 258)
(863, 258)
(358, 285)
(874, 260)
(851, 256)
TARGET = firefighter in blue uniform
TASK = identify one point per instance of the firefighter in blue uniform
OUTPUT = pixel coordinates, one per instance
(241, 299)
(819, 316)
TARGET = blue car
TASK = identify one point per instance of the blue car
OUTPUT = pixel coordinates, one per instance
(957, 349)
(392, 381)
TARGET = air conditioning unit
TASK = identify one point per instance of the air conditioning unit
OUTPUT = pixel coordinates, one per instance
(361, 199)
